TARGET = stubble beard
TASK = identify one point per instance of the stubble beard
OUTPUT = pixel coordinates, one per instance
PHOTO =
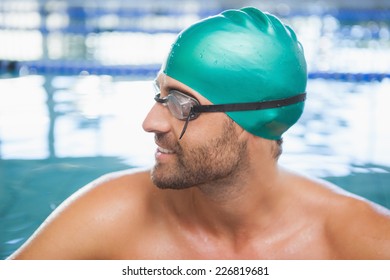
(220, 162)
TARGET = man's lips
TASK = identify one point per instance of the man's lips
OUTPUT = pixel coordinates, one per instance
(164, 151)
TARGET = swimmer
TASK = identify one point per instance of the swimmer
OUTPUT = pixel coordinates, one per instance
(231, 85)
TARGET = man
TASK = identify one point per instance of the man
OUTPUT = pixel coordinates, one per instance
(231, 86)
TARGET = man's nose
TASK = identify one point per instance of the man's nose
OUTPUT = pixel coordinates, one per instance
(157, 120)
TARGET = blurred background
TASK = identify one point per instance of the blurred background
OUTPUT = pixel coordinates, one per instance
(75, 85)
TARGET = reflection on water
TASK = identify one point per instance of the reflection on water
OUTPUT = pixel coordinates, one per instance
(344, 125)
(82, 116)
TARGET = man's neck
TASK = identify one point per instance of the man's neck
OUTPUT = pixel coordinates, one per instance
(231, 210)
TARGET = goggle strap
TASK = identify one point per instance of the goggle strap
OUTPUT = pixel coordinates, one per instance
(186, 123)
(250, 106)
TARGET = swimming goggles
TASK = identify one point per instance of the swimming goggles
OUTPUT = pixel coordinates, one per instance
(187, 108)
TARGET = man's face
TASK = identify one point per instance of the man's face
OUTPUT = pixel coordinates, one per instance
(211, 150)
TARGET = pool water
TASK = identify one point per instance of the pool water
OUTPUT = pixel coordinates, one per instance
(58, 133)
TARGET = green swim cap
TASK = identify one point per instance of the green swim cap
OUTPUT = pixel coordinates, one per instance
(243, 56)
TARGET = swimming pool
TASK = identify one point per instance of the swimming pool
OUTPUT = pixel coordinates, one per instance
(60, 129)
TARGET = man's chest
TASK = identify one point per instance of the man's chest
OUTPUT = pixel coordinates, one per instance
(165, 246)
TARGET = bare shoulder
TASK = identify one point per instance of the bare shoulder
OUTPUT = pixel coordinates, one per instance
(86, 225)
(360, 229)
(355, 227)
(115, 189)
(114, 196)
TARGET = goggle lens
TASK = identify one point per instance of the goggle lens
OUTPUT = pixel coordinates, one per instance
(179, 104)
